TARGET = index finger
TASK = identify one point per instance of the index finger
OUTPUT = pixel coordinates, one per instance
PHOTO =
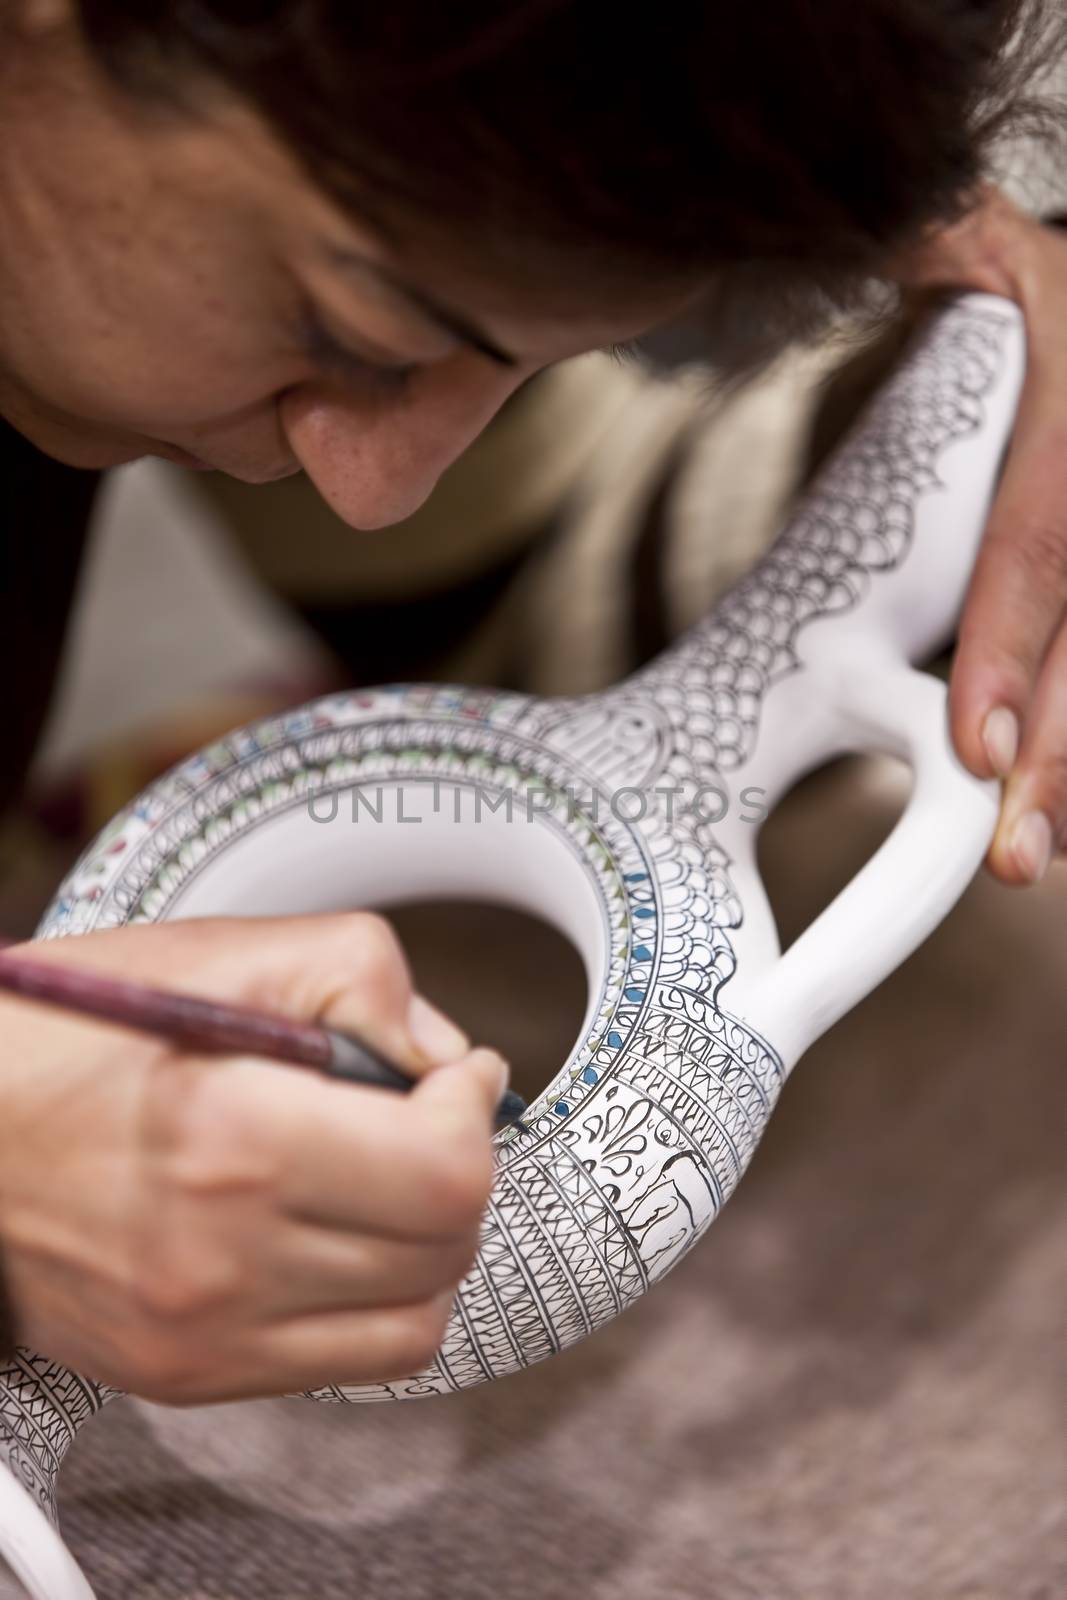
(1016, 597)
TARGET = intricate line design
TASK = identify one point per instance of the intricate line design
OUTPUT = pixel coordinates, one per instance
(637, 1144)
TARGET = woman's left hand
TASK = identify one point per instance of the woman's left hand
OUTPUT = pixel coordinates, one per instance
(1008, 690)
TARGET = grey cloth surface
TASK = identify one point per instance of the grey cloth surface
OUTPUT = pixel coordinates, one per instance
(853, 1388)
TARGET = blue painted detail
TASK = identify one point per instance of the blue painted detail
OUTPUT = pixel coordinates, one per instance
(634, 877)
(642, 952)
(561, 1108)
(636, 995)
(614, 1041)
(589, 1076)
(644, 911)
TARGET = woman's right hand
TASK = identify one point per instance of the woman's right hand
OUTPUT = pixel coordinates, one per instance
(196, 1228)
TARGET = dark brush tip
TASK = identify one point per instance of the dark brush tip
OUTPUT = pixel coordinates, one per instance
(510, 1110)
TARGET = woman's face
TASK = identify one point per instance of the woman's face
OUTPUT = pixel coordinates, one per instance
(179, 288)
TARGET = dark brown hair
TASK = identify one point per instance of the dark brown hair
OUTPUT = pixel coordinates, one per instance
(782, 148)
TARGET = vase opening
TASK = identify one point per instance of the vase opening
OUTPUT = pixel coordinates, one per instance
(500, 909)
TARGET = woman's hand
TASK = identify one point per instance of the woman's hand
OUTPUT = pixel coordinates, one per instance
(201, 1228)
(1008, 692)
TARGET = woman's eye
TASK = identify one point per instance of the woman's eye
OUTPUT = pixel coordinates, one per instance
(332, 356)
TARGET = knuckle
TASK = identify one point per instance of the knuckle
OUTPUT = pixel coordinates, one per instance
(1039, 546)
(214, 1145)
(157, 1292)
(1003, 652)
(1015, 660)
(172, 1291)
(160, 1369)
(377, 948)
(1054, 777)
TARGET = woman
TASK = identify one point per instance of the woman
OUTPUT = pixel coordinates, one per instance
(298, 237)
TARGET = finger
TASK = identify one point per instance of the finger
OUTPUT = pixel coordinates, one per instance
(1016, 598)
(343, 1347)
(414, 1166)
(347, 969)
(211, 1277)
(1033, 824)
(460, 1100)
(361, 984)
(325, 1270)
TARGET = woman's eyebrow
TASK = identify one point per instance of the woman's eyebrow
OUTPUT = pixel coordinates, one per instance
(454, 322)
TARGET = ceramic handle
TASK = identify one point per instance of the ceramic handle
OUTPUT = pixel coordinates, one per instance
(36, 1554)
(911, 882)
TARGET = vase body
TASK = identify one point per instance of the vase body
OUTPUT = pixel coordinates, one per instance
(629, 820)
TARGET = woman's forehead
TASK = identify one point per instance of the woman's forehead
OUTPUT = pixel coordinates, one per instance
(527, 285)
(506, 278)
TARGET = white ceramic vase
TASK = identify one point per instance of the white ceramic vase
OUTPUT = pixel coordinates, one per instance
(628, 819)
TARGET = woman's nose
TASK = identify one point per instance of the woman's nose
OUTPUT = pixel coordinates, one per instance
(375, 458)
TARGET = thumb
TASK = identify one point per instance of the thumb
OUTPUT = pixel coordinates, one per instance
(463, 1094)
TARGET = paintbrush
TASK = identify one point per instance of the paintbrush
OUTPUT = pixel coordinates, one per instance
(202, 1024)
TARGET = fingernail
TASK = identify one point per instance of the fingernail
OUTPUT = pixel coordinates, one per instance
(1000, 735)
(435, 1035)
(1031, 844)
